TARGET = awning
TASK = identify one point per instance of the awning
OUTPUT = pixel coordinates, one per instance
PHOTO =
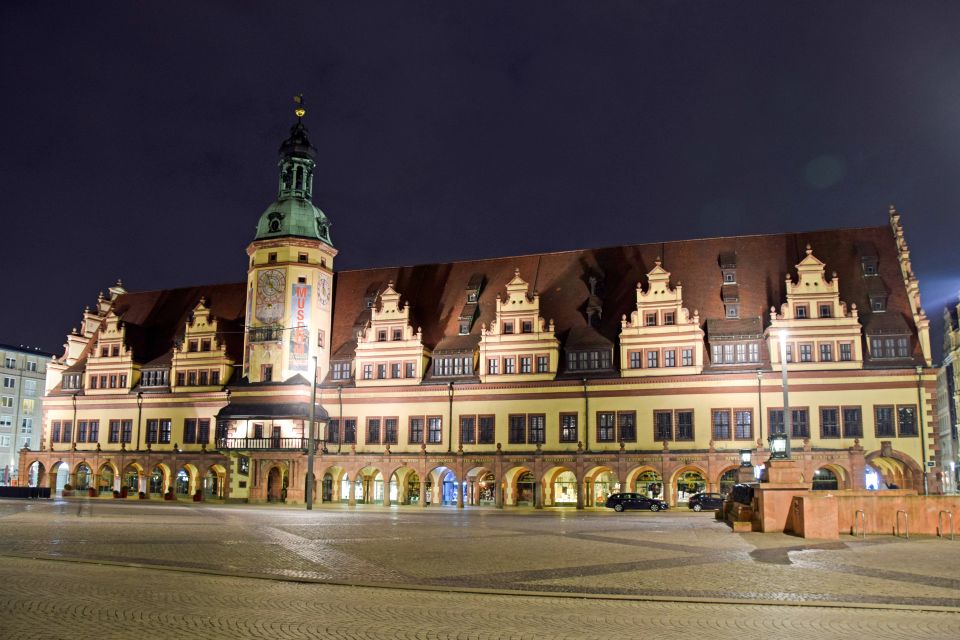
(270, 411)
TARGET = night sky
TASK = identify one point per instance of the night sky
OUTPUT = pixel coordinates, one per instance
(139, 140)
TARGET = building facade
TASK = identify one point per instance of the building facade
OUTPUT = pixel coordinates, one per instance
(545, 380)
(948, 404)
(21, 404)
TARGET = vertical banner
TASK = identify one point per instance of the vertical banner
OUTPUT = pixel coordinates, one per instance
(300, 328)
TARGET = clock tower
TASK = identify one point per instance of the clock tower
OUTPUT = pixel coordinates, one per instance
(290, 274)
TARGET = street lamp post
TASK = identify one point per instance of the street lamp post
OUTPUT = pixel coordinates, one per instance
(311, 437)
(780, 442)
(139, 415)
(450, 417)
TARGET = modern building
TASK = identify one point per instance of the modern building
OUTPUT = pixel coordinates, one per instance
(21, 404)
(948, 401)
(544, 379)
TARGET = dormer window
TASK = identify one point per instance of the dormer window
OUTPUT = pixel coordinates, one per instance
(826, 311)
(464, 327)
(472, 296)
(669, 318)
(878, 302)
(802, 311)
(192, 346)
(869, 264)
(526, 326)
(368, 302)
(382, 335)
(205, 344)
(341, 370)
(104, 352)
(115, 350)
(397, 334)
(729, 277)
(508, 327)
(732, 310)
(650, 319)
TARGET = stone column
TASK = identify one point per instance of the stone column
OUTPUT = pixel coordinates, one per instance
(386, 492)
(498, 492)
(459, 492)
(581, 483)
(352, 494)
(423, 492)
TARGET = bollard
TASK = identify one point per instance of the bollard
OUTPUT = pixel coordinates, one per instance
(906, 523)
(940, 523)
(859, 517)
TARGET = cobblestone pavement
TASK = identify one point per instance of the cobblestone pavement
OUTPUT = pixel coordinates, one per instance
(44, 599)
(677, 555)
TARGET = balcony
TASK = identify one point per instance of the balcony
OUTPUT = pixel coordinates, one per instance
(267, 444)
(266, 334)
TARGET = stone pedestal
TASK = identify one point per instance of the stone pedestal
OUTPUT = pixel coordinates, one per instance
(745, 475)
(773, 497)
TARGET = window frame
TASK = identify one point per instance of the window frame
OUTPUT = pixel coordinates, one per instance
(714, 433)
(837, 423)
(565, 433)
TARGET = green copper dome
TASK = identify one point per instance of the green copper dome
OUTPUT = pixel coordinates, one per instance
(293, 213)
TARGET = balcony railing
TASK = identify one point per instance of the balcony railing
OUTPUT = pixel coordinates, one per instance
(263, 444)
(266, 334)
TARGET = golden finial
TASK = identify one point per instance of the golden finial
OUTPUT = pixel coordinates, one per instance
(300, 110)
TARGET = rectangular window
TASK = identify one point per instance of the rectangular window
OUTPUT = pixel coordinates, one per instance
(686, 357)
(806, 353)
(67, 434)
(669, 318)
(743, 424)
(728, 357)
(635, 359)
(55, 431)
(397, 334)
(903, 348)
(606, 426)
(368, 372)
(434, 430)
(543, 364)
(258, 431)
(215, 377)
(517, 432)
(416, 430)
(205, 344)
(721, 424)
(81, 431)
(684, 422)
(802, 311)
(568, 427)
(349, 430)
(468, 429)
(390, 430)
(373, 430)
(411, 369)
(826, 310)
(192, 346)
(526, 326)
(846, 352)
(153, 429)
(789, 353)
(114, 435)
(507, 327)
(627, 426)
(93, 431)
(204, 377)
(538, 428)
(203, 431)
(381, 371)
(650, 319)
(906, 420)
(662, 426)
(333, 430)
(829, 422)
(165, 431)
(826, 352)
(653, 359)
(508, 365)
(381, 335)
(493, 366)
(884, 426)
(301, 257)
(93, 382)
(189, 430)
(395, 370)
(126, 431)
(741, 352)
(852, 422)
(266, 372)
(670, 358)
(113, 381)
(799, 423)
(526, 364)
(181, 379)
(192, 378)
(486, 432)
(753, 352)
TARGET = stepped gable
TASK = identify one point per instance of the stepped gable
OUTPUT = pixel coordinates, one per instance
(154, 319)
(435, 292)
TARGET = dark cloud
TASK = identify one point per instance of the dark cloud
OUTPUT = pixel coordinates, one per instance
(139, 138)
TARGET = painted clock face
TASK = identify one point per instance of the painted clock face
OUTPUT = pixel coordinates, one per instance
(271, 283)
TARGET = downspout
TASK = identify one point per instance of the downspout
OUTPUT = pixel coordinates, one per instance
(586, 417)
(923, 440)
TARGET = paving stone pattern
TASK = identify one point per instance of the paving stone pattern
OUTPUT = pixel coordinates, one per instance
(460, 574)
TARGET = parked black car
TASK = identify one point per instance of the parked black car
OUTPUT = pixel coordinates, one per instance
(621, 501)
(711, 501)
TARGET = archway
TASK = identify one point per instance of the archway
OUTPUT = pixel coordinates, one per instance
(484, 488)
(560, 487)
(647, 482)
(182, 482)
(131, 481)
(369, 486)
(519, 487)
(276, 484)
(442, 486)
(83, 477)
(213, 482)
(411, 485)
(159, 480)
(824, 479)
(107, 478)
(727, 479)
(895, 470)
(59, 477)
(599, 483)
(331, 490)
(36, 474)
(687, 482)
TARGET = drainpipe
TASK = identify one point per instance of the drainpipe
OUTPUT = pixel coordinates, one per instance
(586, 417)
(759, 405)
(340, 419)
(139, 414)
(73, 430)
(450, 418)
(923, 441)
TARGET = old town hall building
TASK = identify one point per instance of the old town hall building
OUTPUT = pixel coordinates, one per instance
(550, 379)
